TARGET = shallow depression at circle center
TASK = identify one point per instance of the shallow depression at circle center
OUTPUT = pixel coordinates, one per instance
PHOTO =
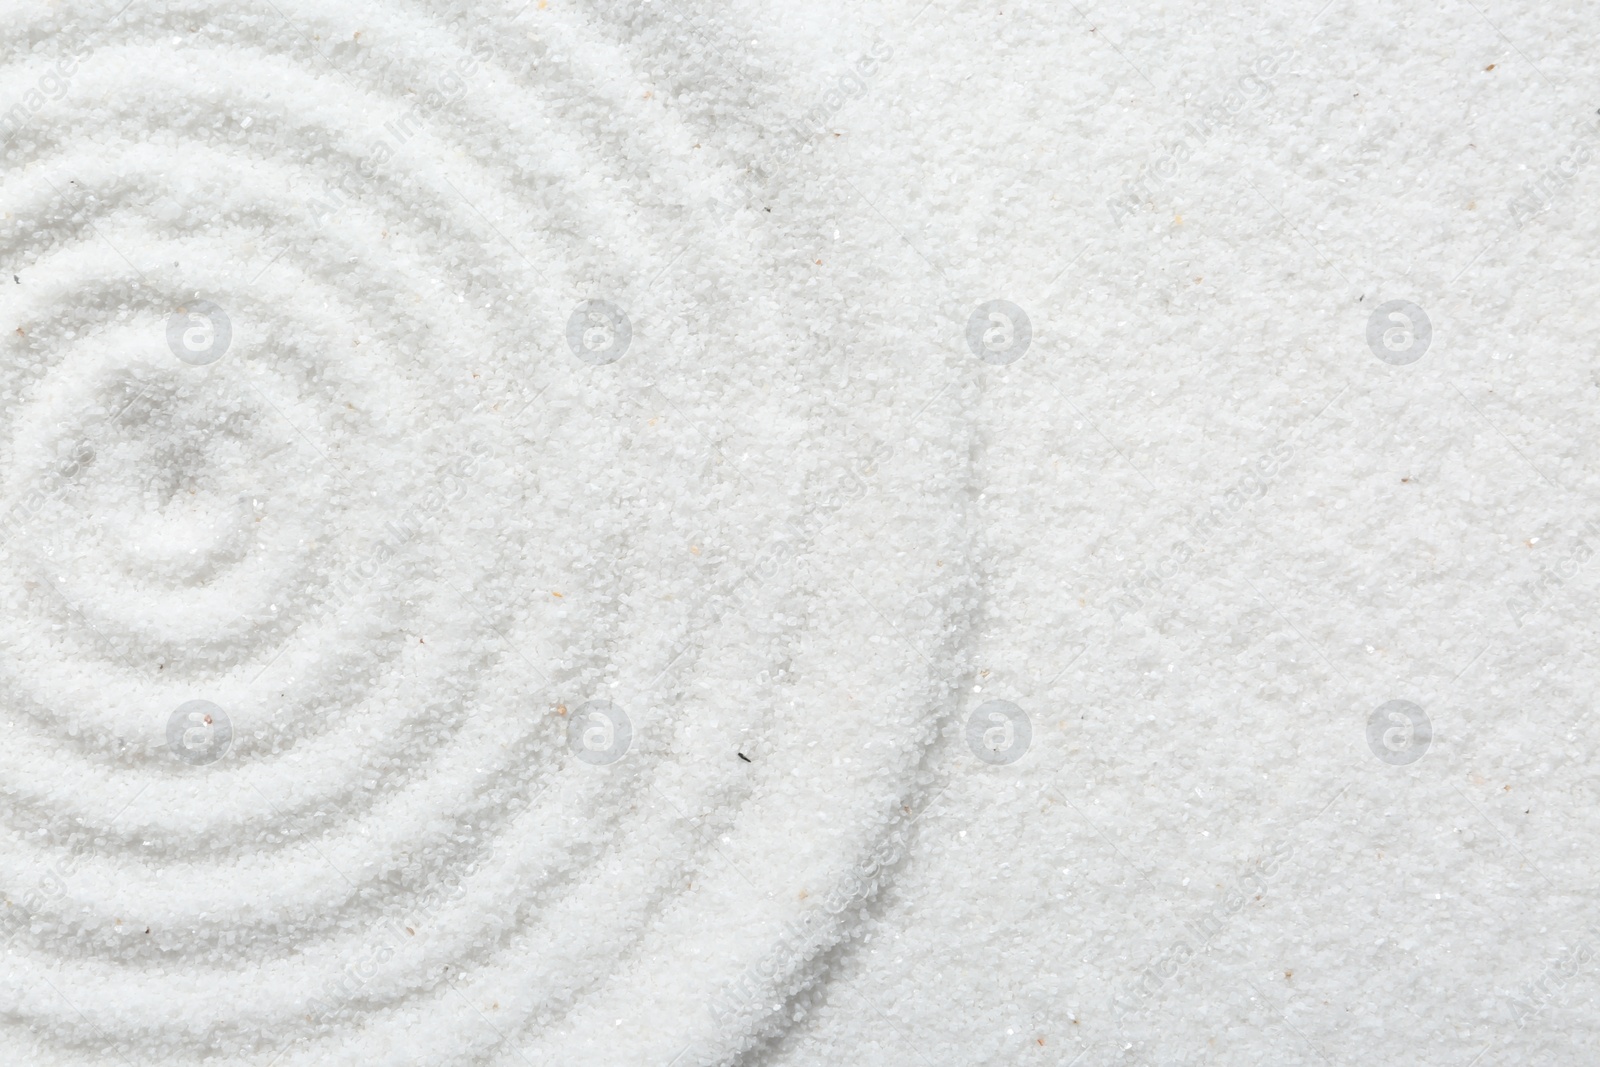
(171, 489)
(177, 508)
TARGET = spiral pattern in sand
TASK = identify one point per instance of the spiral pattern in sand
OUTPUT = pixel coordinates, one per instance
(402, 661)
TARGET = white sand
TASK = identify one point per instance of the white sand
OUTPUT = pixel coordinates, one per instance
(769, 534)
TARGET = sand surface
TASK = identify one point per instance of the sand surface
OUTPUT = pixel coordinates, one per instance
(906, 534)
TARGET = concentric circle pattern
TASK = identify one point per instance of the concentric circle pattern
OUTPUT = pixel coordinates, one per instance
(323, 515)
